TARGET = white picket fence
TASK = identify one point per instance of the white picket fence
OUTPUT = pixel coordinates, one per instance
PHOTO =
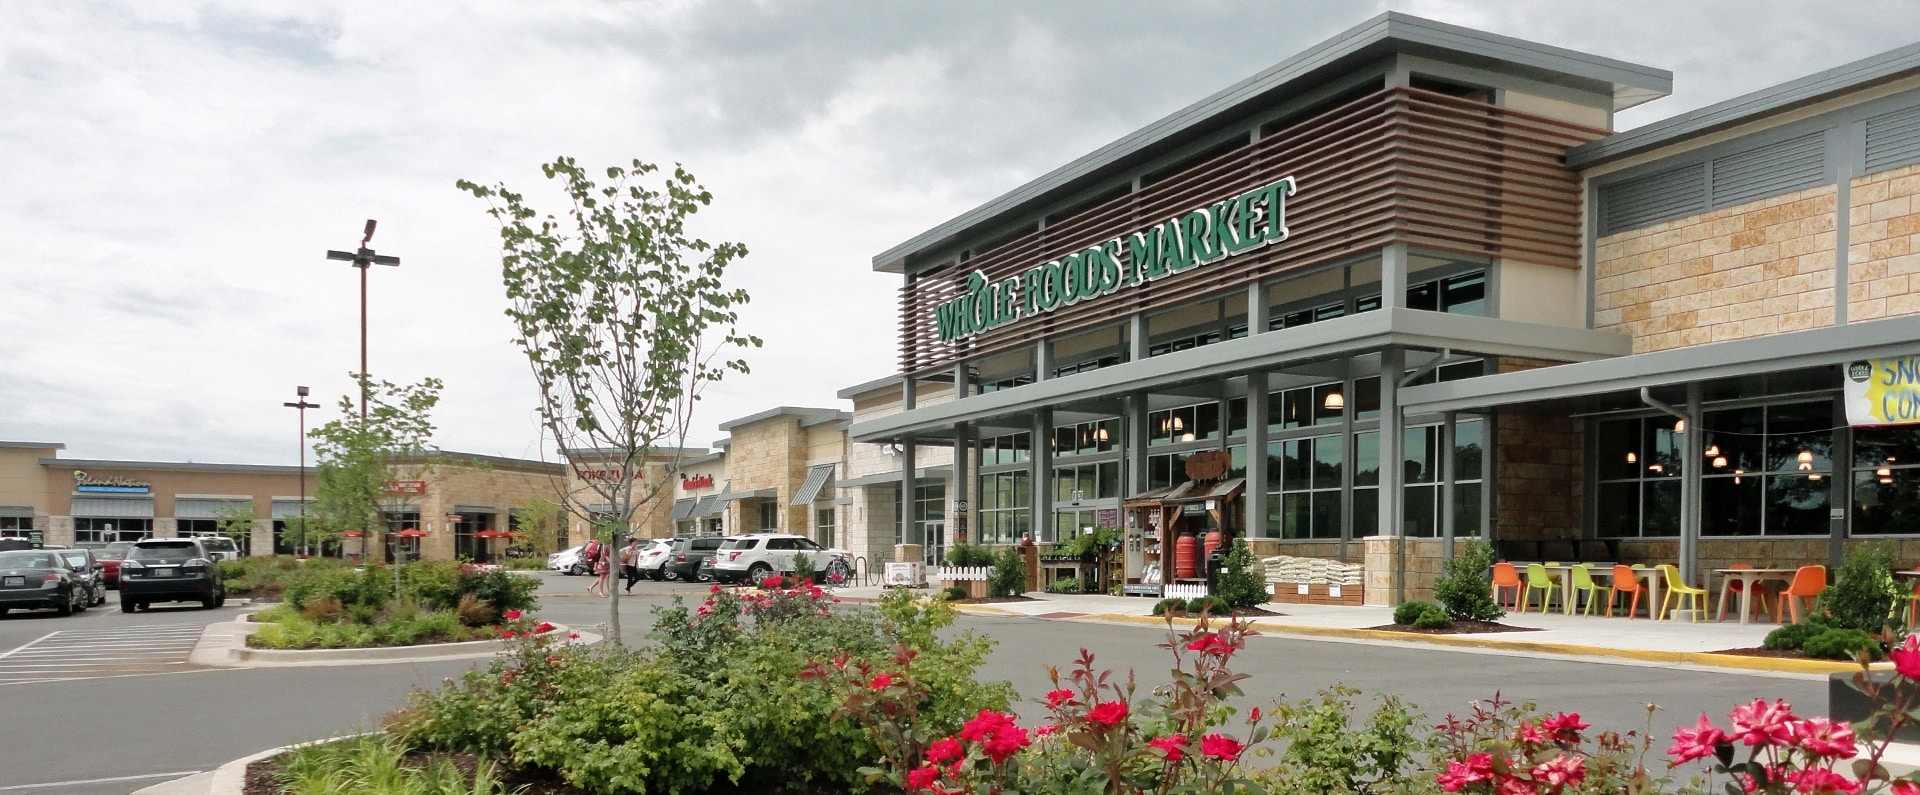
(1184, 590)
(963, 573)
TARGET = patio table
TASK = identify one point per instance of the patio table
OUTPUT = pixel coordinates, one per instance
(1747, 578)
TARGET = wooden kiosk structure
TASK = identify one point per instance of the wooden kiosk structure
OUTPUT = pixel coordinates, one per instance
(1171, 531)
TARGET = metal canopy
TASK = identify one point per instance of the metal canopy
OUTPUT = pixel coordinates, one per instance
(893, 478)
(817, 478)
(682, 509)
(1714, 361)
(1342, 338)
(712, 503)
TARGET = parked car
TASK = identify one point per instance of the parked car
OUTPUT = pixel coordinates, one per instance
(109, 558)
(653, 558)
(170, 570)
(219, 547)
(690, 558)
(88, 571)
(39, 578)
(751, 558)
(567, 561)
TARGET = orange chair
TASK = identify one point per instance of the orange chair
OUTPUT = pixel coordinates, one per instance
(1808, 582)
(1625, 581)
(1505, 576)
(1760, 592)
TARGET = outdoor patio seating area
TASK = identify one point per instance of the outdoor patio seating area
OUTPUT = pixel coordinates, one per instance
(1601, 589)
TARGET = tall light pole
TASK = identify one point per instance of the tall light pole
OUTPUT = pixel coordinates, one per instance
(364, 258)
(302, 405)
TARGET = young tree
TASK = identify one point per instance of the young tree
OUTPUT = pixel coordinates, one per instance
(235, 522)
(624, 320)
(538, 519)
(358, 457)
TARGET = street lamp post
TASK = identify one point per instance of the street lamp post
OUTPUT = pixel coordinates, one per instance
(364, 258)
(302, 405)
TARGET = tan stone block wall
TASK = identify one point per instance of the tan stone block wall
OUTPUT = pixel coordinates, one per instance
(1765, 267)
(1537, 480)
(1883, 245)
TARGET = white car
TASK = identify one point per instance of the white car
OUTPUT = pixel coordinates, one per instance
(751, 558)
(652, 562)
(219, 547)
(567, 561)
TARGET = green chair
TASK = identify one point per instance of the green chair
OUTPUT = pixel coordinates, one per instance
(1583, 581)
(1537, 579)
(1679, 594)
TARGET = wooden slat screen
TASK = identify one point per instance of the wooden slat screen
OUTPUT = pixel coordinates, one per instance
(1401, 165)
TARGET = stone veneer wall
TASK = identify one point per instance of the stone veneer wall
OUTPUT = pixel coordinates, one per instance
(1764, 267)
(1883, 244)
(1537, 478)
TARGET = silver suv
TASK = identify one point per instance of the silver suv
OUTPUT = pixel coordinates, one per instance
(752, 558)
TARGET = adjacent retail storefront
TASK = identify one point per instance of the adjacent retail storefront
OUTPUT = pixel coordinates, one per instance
(1407, 287)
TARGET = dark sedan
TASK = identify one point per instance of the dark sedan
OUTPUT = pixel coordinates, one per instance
(169, 570)
(39, 578)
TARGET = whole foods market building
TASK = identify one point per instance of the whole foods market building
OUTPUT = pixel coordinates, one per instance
(1382, 250)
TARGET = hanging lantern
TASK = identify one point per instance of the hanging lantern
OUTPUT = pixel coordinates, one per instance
(1720, 462)
(1632, 457)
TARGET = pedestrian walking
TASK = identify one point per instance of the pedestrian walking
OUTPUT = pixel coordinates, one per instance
(630, 562)
(595, 554)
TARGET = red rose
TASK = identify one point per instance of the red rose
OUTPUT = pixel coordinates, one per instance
(1057, 697)
(881, 680)
(1173, 746)
(922, 778)
(511, 615)
(1108, 713)
(1221, 747)
(945, 750)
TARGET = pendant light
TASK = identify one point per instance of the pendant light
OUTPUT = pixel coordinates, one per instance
(1632, 457)
(1720, 462)
(1713, 451)
(1335, 401)
(1679, 426)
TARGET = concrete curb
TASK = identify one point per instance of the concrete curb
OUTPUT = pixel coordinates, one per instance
(230, 778)
(228, 649)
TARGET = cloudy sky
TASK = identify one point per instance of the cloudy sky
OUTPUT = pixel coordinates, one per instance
(175, 171)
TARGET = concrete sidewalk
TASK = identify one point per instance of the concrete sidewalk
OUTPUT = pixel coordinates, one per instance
(1639, 639)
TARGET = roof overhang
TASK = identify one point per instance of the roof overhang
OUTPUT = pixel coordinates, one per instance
(1361, 47)
(1333, 339)
(1720, 360)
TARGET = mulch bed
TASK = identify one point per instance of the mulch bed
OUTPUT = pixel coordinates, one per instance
(1778, 654)
(995, 600)
(261, 777)
(1458, 628)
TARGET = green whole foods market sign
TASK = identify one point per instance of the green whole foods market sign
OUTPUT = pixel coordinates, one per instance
(1248, 222)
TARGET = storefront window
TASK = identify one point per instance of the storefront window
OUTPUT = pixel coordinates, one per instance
(1638, 494)
(1305, 407)
(1005, 498)
(101, 531)
(15, 526)
(1087, 482)
(1086, 438)
(1886, 481)
(1767, 470)
(1303, 487)
(1193, 423)
(1423, 484)
(823, 527)
(1010, 449)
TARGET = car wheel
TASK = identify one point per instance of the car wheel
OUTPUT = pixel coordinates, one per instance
(220, 600)
(3, 610)
(576, 570)
(208, 603)
(84, 603)
(66, 605)
(758, 573)
(667, 574)
(100, 598)
(127, 605)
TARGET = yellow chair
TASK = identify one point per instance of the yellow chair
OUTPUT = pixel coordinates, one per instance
(1537, 579)
(1686, 596)
(1583, 581)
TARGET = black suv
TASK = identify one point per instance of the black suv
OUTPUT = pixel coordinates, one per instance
(687, 556)
(170, 570)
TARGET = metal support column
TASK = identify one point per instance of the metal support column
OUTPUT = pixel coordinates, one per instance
(1694, 442)
(1256, 493)
(1041, 494)
(1136, 337)
(962, 486)
(1392, 470)
(1447, 476)
(1134, 445)
(1393, 278)
(910, 530)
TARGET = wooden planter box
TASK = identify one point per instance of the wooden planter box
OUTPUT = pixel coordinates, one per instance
(976, 589)
(1317, 594)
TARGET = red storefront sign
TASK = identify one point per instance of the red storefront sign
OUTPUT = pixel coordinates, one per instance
(415, 487)
(696, 482)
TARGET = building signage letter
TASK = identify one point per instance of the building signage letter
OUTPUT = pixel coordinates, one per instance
(1248, 222)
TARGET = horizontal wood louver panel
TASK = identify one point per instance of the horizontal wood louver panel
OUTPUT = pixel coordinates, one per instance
(1400, 165)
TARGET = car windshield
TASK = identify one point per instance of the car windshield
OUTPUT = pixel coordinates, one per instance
(26, 560)
(76, 561)
(166, 552)
(806, 543)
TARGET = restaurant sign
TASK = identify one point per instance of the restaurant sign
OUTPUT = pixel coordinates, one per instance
(1244, 223)
(109, 484)
(1883, 391)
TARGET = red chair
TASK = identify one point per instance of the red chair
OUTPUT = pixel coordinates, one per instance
(1505, 576)
(1760, 592)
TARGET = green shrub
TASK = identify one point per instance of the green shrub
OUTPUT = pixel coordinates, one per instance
(1009, 576)
(371, 586)
(1841, 644)
(1863, 595)
(1330, 749)
(1794, 636)
(955, 593)
(1242, 581)
(1408, 611)
(1432, 617)
(1211, 605)
(803, 567)
(960, 555)
(1174, 605)
(1465, 585)
(1064, 585)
